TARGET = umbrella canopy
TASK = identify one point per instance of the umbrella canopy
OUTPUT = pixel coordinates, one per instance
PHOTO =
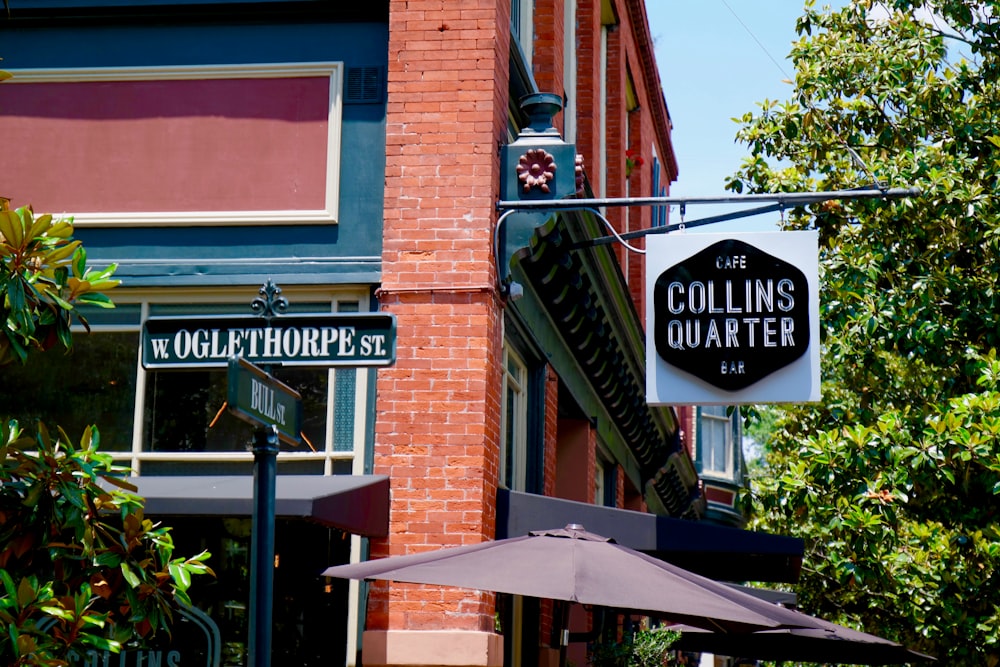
(828, 643)
(574, 565)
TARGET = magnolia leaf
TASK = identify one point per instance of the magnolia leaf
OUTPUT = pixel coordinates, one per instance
(25, 592)
(79, 262)
(130, 576)
(95, 299)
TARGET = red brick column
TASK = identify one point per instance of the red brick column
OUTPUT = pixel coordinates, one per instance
(547, 63)
(438, 407)
(589, 73)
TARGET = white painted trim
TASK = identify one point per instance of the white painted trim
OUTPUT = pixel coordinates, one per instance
(327, 215)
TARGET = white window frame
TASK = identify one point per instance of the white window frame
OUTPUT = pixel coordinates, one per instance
(569, 71)
(707, 446)
(522, 25)
(514, 421)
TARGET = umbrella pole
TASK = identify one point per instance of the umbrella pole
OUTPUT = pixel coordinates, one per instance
(563, 635)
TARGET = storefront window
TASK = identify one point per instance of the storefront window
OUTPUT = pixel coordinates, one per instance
(94, 384)
(310, 611)
(176, 422)
(186, 411)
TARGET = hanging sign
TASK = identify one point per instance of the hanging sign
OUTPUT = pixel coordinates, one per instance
(732, 318)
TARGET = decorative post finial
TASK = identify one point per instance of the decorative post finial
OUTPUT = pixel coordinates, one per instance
(270, 303)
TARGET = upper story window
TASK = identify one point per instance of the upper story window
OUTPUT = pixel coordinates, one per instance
(718, 438)
(514, 427)
(658, 190)
(521, 27)
(179, 142)
(523, 416)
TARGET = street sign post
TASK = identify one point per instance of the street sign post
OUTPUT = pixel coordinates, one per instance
(256, 397)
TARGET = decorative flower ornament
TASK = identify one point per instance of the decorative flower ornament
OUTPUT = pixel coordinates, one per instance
(535, 169)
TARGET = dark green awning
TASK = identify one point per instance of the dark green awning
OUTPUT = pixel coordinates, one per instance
(711, 550)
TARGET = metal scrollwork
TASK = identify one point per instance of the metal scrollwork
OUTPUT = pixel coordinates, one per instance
(270, 303)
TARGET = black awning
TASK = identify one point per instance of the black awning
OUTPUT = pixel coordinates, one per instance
(355, 503)
(714, 551)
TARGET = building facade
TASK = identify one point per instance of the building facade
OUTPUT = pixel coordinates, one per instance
(354, 157)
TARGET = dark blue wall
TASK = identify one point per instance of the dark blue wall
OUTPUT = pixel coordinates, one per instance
(348, 252)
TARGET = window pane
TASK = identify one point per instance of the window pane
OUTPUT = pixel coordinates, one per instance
(510, 448)
(93, 384)
(515, 424)
(715, 439)
(719, 446)
(185, 411)
(345, 383)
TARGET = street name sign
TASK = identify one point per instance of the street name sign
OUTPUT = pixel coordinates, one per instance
(314, 340)
(732, 318)
(256, 397)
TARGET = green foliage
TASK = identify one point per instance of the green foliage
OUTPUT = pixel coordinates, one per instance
(651, 648)
(43, 276)
(80, 564)
(644, 648)
(893, 480)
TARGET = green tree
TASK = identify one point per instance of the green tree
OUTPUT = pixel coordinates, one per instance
(43, 277)
(80, 565)
(893, 479)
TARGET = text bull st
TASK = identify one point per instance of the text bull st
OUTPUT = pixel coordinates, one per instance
(262, 400)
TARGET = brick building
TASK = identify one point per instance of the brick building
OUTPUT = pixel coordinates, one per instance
(355, 156)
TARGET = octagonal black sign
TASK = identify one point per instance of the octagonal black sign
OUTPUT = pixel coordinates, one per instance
(731, 314)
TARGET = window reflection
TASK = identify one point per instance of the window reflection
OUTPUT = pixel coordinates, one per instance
(186, 411)
(92, 384)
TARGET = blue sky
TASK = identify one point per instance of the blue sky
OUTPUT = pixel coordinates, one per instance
(715, 62)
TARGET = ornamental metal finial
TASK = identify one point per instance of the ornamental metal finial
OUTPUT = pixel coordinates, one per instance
(272, 304)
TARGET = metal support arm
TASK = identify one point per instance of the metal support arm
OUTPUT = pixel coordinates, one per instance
(513, 232)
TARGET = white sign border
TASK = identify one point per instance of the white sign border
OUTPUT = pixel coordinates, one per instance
(799, 382)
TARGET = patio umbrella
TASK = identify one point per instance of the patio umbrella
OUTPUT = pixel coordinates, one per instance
(574, 565)
(828, 643)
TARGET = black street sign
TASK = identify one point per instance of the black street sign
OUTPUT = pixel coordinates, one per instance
(314, 340)
(256, 397)
(731, 314)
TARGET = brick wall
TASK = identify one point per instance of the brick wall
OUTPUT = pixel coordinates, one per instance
(549, 43)
(437, 427)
